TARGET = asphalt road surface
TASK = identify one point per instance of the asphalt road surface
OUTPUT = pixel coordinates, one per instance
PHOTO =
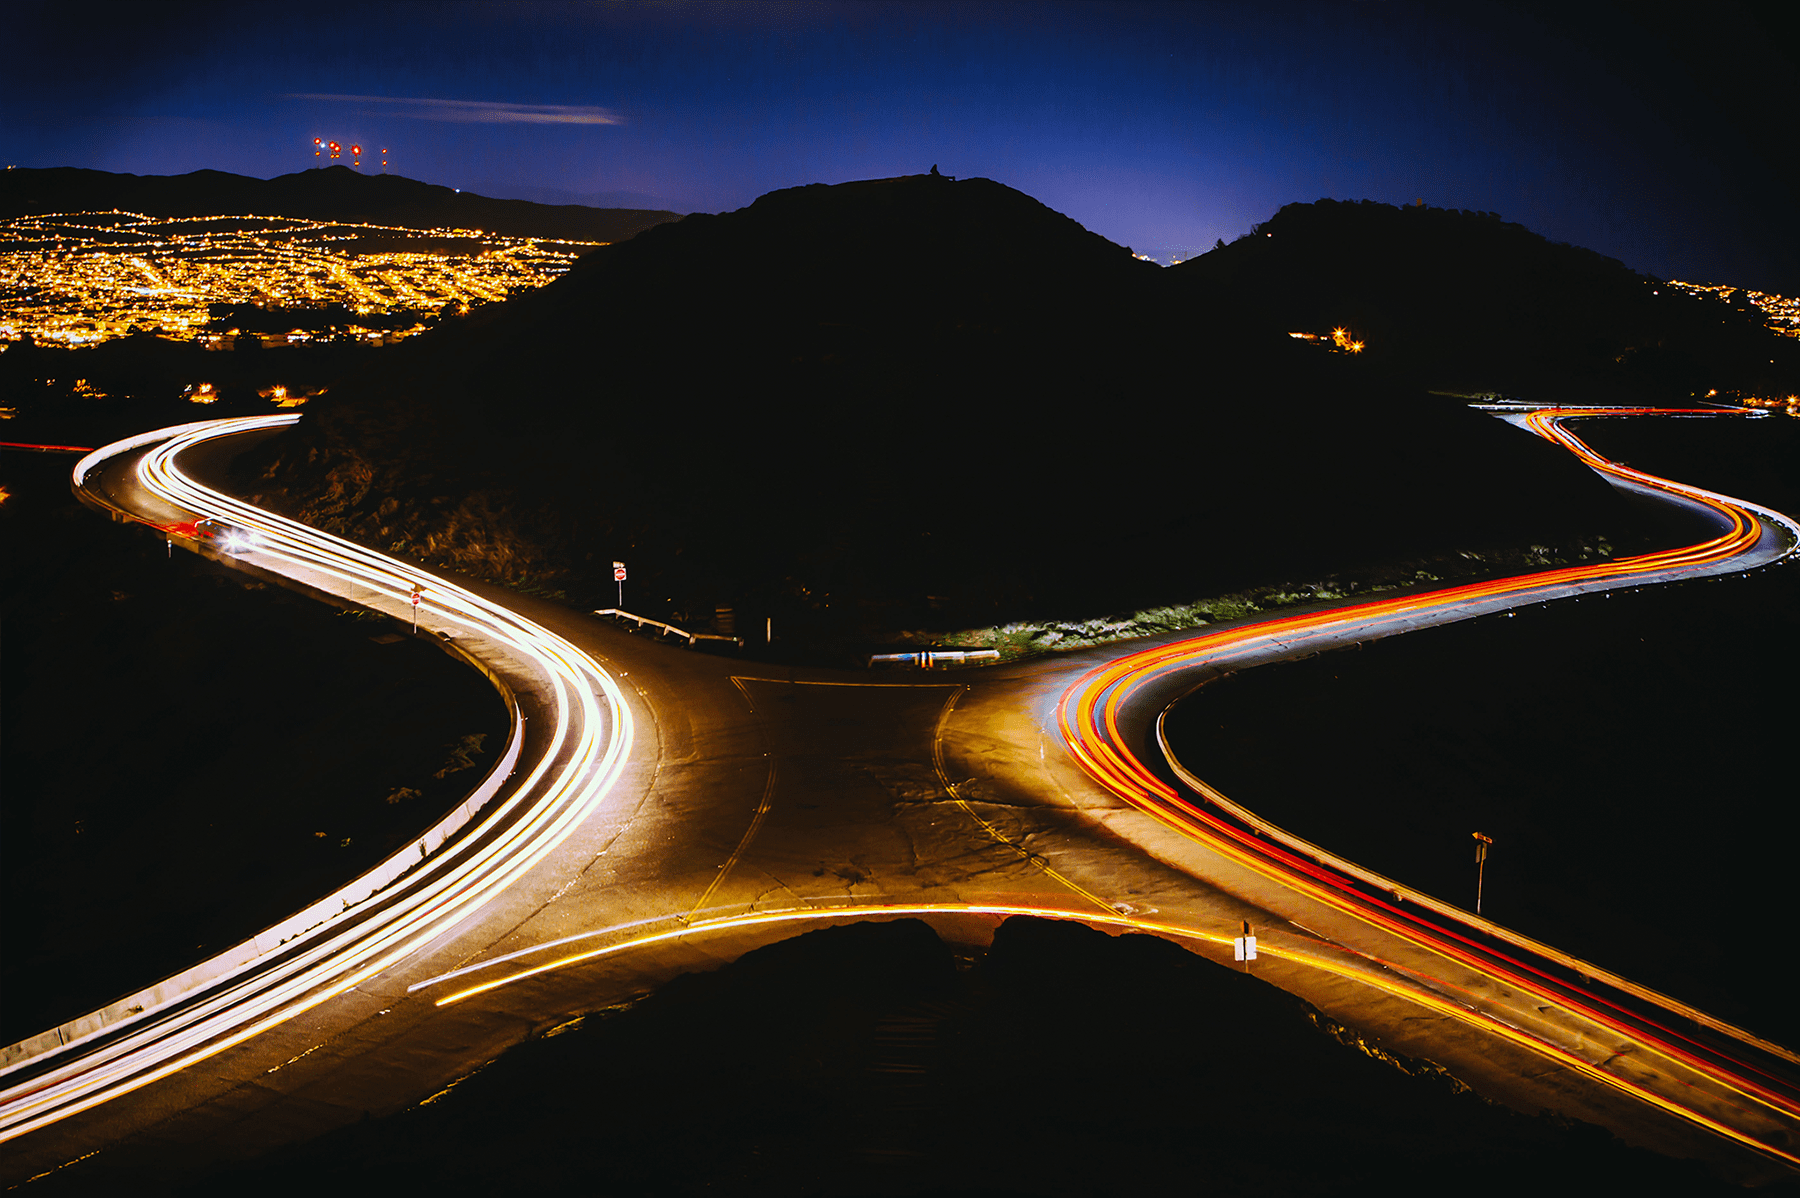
(668, 810)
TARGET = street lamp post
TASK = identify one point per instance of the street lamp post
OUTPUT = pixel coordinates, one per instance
(1482, 844)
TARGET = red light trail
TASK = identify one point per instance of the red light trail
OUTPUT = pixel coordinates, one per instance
(1105, 718)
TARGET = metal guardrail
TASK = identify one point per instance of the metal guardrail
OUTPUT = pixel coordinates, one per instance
(621, 613)
(274, 938)
(926, 659)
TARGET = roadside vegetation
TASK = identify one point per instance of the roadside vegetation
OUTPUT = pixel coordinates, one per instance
(1023, 639)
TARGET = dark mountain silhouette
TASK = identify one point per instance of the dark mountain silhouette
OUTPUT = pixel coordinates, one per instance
(1464, 300)
(331, 193)
(898, 402)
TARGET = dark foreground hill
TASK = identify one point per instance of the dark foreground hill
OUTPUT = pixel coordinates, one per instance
(861, 1060)
(332, 193)
(902, 403)
(1466, 301)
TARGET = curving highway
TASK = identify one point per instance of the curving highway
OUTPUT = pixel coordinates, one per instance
(1720, 1077)
(406, 903)
(665, 811)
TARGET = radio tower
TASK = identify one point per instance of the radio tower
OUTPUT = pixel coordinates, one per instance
(384, 160)
(335, 150)
(356, 156)
(318, 147)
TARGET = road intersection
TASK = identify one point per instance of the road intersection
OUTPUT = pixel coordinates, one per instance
(669, 810)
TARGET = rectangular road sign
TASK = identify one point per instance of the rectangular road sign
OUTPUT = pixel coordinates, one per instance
(618, 573)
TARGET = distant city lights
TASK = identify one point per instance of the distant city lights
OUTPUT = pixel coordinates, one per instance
(1780, 313)
(1341, 341)
(86, 277)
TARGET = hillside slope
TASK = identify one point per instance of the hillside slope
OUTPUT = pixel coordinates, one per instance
(901, 403)
(1466, 301)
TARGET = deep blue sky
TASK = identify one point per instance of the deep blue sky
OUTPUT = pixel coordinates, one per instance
(1650, 131)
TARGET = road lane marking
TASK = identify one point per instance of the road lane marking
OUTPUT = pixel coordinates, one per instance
(1037, 859)
(536, 948)
(756, 822)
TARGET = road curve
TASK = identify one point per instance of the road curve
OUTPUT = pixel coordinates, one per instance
(566, 770)
(988, 819)
(1721, 1077)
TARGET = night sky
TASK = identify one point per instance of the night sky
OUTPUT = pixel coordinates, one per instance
(1649, 131)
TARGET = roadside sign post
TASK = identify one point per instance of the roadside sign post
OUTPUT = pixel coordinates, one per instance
(1243, 948)
(1482, 843)
(619, 577)
(415, 598)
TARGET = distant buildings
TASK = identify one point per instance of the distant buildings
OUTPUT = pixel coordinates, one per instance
(1779, 312)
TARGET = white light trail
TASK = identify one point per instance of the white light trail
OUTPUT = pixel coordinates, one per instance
(570, 776)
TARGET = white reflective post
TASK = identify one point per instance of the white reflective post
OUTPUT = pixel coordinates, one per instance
(1243, 948)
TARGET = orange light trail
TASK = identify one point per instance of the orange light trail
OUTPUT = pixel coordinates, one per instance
(1095, 708)
(1422, 994)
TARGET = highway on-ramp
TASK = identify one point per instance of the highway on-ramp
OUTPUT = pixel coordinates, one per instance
(669, 810)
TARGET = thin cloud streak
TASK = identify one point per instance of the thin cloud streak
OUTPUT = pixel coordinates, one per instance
(483, 112)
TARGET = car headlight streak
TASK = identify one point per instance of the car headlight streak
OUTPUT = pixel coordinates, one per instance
(569, 778)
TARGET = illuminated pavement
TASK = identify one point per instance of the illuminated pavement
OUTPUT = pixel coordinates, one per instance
(756, 803)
